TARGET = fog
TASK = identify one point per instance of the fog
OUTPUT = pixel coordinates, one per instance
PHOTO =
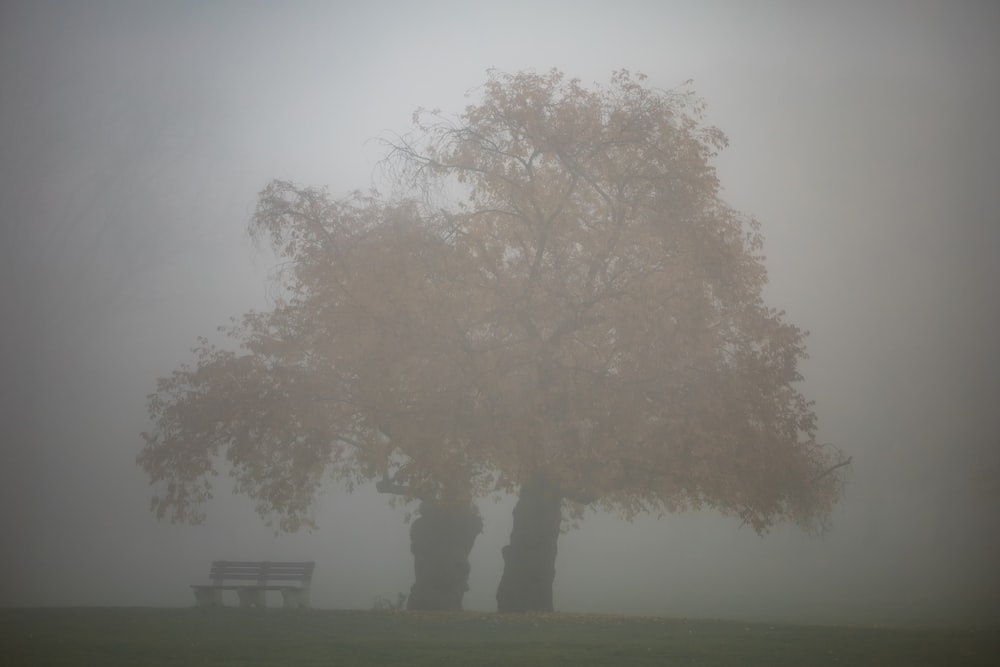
(136, 135)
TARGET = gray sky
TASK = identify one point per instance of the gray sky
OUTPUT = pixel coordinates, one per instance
(135, 136)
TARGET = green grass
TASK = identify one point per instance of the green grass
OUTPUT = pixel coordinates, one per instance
(148, 637)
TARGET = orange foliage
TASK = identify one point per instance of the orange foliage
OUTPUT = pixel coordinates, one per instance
(586, 308)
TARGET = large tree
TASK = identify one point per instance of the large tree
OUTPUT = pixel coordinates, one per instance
(349, 376)
(569, 312)
(626, 354)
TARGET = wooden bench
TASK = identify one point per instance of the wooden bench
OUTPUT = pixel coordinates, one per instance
(292, 579)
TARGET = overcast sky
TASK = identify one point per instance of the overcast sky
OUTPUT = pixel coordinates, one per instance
(136, 135)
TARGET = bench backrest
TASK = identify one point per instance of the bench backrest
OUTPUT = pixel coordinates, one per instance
(261, 571)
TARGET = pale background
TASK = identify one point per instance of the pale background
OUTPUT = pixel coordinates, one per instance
(135, 136)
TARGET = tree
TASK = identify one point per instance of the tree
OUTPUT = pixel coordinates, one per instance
(627, 355)
(344, 378)
(570, 312)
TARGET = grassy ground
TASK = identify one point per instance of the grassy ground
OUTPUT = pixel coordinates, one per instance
(148, 637)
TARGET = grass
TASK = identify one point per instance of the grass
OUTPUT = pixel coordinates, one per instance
(228, 637)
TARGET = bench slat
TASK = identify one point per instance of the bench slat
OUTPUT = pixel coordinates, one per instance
(263, 570)
(258, 563)
(237, 587)
(256, 577)
(260, 573)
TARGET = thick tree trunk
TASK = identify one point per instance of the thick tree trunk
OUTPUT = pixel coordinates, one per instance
(441, 539)
(530, 558)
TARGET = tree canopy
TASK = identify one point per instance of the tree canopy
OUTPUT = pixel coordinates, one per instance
(560, 294)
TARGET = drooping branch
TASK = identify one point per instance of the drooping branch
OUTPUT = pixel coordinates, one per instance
(831, 469)
(386, 485)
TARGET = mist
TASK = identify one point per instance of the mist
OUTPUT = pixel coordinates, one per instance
(136, 136)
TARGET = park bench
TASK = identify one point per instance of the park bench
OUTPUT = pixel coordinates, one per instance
(255, 579)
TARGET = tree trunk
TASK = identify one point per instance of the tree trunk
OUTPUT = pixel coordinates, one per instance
(530, 558)
(441, 539)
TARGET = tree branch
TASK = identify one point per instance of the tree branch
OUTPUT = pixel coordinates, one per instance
(832, 468)
(386, 485)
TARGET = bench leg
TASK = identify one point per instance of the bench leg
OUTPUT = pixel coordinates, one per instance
(252, 597)
(295, 598)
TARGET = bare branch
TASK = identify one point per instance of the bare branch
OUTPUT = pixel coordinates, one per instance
(832, 468)
(386, 485)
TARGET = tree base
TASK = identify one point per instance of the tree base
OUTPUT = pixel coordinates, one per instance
(530, 558)
(440, 540)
